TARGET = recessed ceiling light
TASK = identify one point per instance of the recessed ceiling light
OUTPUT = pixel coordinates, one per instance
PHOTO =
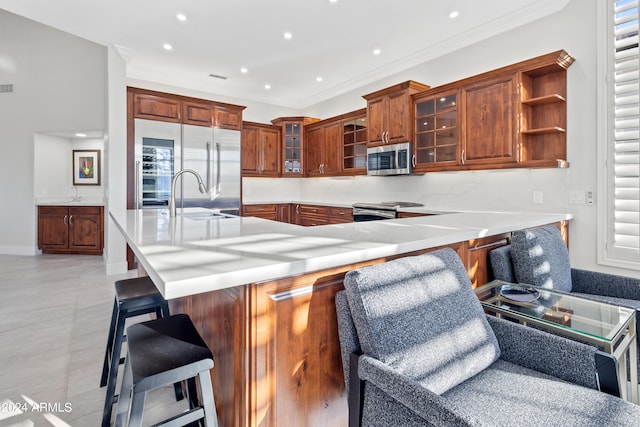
(288, 35)
(319, 79)
(81, 135)
(167, 46)
(377, 51)
(267, 86)
(453, 14)
(243, 70)
(333, 1)
(181, 17)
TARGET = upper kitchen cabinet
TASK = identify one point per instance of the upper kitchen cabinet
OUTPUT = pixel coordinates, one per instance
(154, 106)
(292, 143)
(147, 104)
(389, 113)
(436, 133)
(260, 149)
(490, 121)
(514, 116)
(212, 114)
(543, 110)
(323, 141)
(354, 143)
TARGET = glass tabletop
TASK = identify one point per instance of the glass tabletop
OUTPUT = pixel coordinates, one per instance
(576, 314)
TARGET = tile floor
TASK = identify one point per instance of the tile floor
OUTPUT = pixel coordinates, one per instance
(54, 318)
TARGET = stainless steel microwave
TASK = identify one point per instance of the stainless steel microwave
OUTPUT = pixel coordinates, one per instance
(393, 159)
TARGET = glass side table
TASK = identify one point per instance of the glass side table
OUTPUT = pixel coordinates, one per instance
(609, 327)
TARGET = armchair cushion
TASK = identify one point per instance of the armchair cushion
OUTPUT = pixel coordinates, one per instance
(419, 315)
(540, 258)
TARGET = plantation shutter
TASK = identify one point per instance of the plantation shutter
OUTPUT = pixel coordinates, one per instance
(624, 206)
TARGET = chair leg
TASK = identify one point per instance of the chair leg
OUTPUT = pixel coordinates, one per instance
(124, 398)
(113, 371)
(208, 402)
(137, 407)
(107, 352)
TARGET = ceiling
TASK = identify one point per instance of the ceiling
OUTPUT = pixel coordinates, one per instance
(333, 40)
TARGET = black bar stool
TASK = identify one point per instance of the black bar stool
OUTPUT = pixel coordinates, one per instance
(134, 297)
(162, 352)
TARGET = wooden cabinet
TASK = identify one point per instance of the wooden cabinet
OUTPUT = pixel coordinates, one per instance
(311, 215)
(543, 110)
(323, 142)
(389, 113)
(265, 211)
(147, 104)
(437, 135)
(339, 215)
(271, 211)
(292, 160)
(156, 106)
(490, 121)
(514, 116)
(71, 229)
(260, 154)
(354, 143)
(211, 114)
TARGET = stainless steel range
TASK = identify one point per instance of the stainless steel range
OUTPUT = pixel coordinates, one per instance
(378, 211)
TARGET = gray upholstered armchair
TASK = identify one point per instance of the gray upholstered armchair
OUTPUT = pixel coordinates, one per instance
(418, 350)
(539, 257)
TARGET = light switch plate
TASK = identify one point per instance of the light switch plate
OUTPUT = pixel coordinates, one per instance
(577, 197)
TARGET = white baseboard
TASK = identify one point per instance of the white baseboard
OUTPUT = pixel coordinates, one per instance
(18, 250)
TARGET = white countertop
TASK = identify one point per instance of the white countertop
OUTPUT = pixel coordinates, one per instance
(70, 201)
(186, 256)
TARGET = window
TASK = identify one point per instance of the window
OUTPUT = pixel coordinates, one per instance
(622, 168)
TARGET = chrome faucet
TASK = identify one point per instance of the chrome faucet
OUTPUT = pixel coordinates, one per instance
(172, 200)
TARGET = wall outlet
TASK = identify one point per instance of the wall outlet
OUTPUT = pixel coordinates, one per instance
(577, 197)
(538, 197)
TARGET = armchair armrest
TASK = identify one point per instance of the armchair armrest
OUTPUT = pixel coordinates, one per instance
(433, 408)
(547, 353)
(596, 283)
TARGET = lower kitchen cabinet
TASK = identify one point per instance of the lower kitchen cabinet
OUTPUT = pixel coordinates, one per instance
(264, 211)
(71, 229)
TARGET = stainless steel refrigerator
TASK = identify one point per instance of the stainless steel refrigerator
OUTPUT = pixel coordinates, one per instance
(162, 149)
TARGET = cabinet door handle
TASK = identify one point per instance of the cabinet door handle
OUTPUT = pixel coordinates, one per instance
(65, 220)
(462, 157)
(413, 160)
(71, 219)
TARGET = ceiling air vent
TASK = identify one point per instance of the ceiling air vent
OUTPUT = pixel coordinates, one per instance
(217, 76)
(6, 88)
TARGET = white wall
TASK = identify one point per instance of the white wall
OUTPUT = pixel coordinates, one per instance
(59, 83)
(52, 167)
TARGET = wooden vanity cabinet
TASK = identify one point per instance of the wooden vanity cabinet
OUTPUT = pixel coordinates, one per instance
(260, 154)
(389, 113)
(71, 229)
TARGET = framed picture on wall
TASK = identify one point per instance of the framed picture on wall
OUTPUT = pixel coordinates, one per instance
(86, 167)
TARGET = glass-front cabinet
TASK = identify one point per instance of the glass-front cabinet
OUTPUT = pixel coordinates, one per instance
(293, 143)
(292, 148)
(355, 145)
(437, 137)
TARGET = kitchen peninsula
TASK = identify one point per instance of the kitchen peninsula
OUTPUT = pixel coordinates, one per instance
(262, 295)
